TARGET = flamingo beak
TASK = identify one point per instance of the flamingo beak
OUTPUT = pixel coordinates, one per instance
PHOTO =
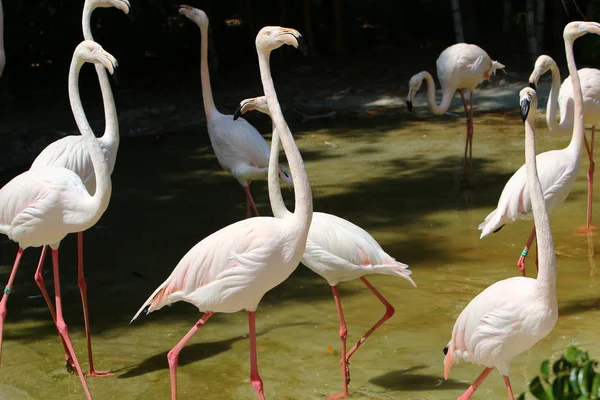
(525, 104)
(239, 111)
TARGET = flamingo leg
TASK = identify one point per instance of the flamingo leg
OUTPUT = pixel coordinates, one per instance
(7, 291)
(589, 228)
(86, 317)
(257, 382)
(470, 132)
(173, 355)
(250, 203)
(39, 280)
(467, 395)
(521, 262)
(389, 312)
(343, 334)
(511, 396)
(464, 163)
(61, 324)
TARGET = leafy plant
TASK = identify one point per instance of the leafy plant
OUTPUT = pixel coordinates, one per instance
(573, 376)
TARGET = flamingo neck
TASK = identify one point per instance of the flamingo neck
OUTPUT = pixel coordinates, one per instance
(103, 190)
(576, 144)
(302, 192)
(277, 204)
(447, 94)
(552, 105)
(210, 109)
(111, 121)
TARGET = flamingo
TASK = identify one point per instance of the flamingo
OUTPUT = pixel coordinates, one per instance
(512, 315)
(336, 249)
(590, 78)
(2, 54)
(239, 148)
(234, 267)
(41, 206)
(460, 66)
(558, 172)
(71, 152)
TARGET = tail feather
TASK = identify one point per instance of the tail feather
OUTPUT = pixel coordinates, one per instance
(162, 296)
(397, 269)
(492, 223)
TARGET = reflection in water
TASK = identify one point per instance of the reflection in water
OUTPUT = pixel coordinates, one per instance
(396, 177)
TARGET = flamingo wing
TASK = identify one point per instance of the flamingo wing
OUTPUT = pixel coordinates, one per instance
(70, 153)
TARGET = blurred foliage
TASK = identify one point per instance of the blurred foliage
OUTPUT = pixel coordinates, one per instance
(574, 376)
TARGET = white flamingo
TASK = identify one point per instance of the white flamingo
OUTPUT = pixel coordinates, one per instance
(71, 152)
(512, 315)
(239, 148)
(460, 66)
(563, 99)
(233, 268)
(336, 249)
(41, 206)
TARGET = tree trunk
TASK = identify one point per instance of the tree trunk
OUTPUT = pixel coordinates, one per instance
(533, 47)
(312, 51)
(539, 28)
(458, 26)
(506, 22)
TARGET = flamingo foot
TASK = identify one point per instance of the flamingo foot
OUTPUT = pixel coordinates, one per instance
(341, 395)
(70, 365)
(586, 230)
(100, 374)
(521, 265)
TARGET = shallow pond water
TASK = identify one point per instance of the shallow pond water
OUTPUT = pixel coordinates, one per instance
(395, 175)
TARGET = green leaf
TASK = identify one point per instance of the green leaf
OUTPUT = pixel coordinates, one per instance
(537, 389)
(572, 354)
(521, 396)
(595, 392)
(561, 365)
(574, 382)
(560, 388)
(545, 369)
(585, 377)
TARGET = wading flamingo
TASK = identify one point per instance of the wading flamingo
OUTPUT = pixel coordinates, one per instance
(71, 152)
(40, 207)
(239, 148)
(563, 99)
(460, 66)
(233, 268)
(514, 314)
(336, 249)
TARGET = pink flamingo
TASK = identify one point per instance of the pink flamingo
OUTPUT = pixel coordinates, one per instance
(41, 206)
(233, 268)
(239, 148)
(336, 249)
(460, 66)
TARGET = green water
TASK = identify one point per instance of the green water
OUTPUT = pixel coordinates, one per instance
(395, 175)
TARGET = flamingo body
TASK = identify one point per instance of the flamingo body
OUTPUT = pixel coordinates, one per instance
(590, 87)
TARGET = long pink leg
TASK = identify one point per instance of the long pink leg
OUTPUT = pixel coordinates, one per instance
(464, 163)
(343, 334)
(467, 395)
(389, 312)
(511, 396)
(61, 324)
(7, 291)
(589, 228)
(470, 133)
(173, 355)
(521, 262)
(39, 279)
(250, 203)
(86, 317)
(257, 382)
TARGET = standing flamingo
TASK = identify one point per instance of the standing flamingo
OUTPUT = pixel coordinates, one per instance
(336, 249)
(557, 170)
(239, 148)
(460, 66)
(41, 206)
(512, 315)
(233, 268)
(590, 86)
(71, 152)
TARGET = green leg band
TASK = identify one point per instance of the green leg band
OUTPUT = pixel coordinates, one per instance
(7, 290)
(524, 253)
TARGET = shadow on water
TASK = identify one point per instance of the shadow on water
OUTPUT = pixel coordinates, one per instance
(407, 380)
(578, 306)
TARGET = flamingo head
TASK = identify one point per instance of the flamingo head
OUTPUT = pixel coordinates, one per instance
(253, 103)
(270, 38)
(197, 16)
(542, 65)
(414, 84)
(92, 52)
(122, 5)
(528, 101)
(576, 29)
(285, 175)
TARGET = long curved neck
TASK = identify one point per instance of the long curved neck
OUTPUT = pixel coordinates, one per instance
(277, 204)
(103, 184)
(552, 104)
(578, 127)
(209, 104)
(111, 121)
(302, 192)
(447, 94)
(546, 278)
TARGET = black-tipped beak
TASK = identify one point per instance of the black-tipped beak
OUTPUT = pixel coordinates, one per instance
(525, 104)
(532, 85)
(302, 45)
(145, 310)
(409, 105)
(238, 111)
